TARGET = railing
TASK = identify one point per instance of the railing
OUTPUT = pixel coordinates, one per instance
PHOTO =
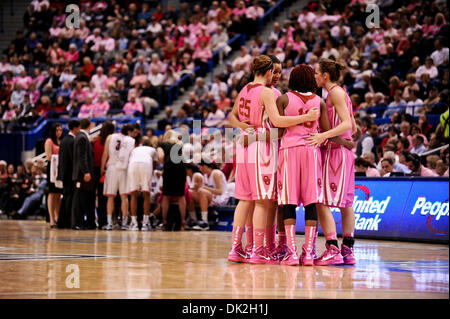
(381, 109)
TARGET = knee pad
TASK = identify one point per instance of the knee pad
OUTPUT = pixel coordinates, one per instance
(311, 212)
(289, 212)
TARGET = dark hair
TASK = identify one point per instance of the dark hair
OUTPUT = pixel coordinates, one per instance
(274, 59)
(73, 124)
(405, 142)
(420, 137)
(359, 161)
(261, 64)
(53, 133)
(192, 167)
(85, 123)
(331, 67)
(107, 129)
(126, 128)
(415, 159)
(137, 126)
(389, 160)
(210, 165)
(302, 79)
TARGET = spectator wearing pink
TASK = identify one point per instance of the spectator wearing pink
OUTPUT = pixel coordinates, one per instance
(189, 37)
(34, 93)
(132, 106)
(72, 54)
(10, 113)
(83, 30)
(203, 52)
(92, 92)
(224, 102)
(240, 10)
(211, 26)
(204, 36)
(298, 43)
(55, 30)
(439, 22)
(108, 42)
(281, 43)
(24, 80)
(55, 52)
(214, 10)
(38, 78)
(156, 63)
(112, 78)
(86, 109)
(306, 17)
(99, 79)
(94, 38)
(195, 27)
(255, 11)
(372, 172)
(99, 6)
(100, 108)
(244, 59)
(139, 77)
(78, 94)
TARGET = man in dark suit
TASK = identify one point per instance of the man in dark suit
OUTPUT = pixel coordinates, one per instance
(65, 171)
(83, 172)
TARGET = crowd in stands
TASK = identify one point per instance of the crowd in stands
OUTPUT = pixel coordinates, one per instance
(121, 60)
(396, 73)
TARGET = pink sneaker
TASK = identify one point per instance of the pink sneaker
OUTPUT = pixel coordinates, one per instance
(306, 258)
(279, 252)
(236, 254)
(248, 252)
(347, 254)
(260, 256)
(291, 258)
(331, 256)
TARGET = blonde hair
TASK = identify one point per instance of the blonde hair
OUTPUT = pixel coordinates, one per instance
(171, 137)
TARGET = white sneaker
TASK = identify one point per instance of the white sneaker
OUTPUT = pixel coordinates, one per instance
(107, 227)
(134, 226)
(124, 227)
(146, 227)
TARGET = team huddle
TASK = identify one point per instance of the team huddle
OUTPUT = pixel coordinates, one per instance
(312, 165)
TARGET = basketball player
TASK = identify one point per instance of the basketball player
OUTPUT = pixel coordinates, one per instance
(338, 167)
(118, 147)
(139, 175)
(272, 248)
(256, 105)
(213, 192)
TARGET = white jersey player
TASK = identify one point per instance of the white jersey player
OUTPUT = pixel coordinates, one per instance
(116, 154)
(140, 174)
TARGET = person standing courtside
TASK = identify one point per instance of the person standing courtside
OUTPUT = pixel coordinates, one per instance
(83, 172)
(118, 147)
(65, 169)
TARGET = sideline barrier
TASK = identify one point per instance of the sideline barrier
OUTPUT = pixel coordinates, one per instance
(395, 208)
(403, 208)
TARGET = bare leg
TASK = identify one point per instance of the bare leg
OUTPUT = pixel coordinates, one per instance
(134, 197)
(50, 204)
(348, 220)
(182, 208)
(165, 208)
(243, 208)
(326, 219)
(124, 206)
(146, 204)
(260, 214)
(57, 205)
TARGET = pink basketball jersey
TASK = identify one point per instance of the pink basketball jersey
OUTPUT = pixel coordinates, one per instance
(299, 104)
(249, 105)
(333, 116)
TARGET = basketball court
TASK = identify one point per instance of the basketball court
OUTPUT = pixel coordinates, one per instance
(38, 262)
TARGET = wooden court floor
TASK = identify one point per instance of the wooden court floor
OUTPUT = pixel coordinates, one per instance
(36, 262)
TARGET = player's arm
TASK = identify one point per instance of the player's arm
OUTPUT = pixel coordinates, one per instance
(337, 98)
(218, 182)
(325, 126)
(198, 182)
(160, 155)
(105, 155)
(274, 133)
(233, 118)
(268, 100)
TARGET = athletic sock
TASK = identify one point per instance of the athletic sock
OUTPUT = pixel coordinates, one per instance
(146, 219)
(281, 238)
(290, 236)
(331, 239)
(124, 220)
(310, 232)
(109, 218)
(134, 219)
(249, 235)
(193, 215)
(258, 237)
(237, 235)
(270, 236)
(348, 240)
(205, 217)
